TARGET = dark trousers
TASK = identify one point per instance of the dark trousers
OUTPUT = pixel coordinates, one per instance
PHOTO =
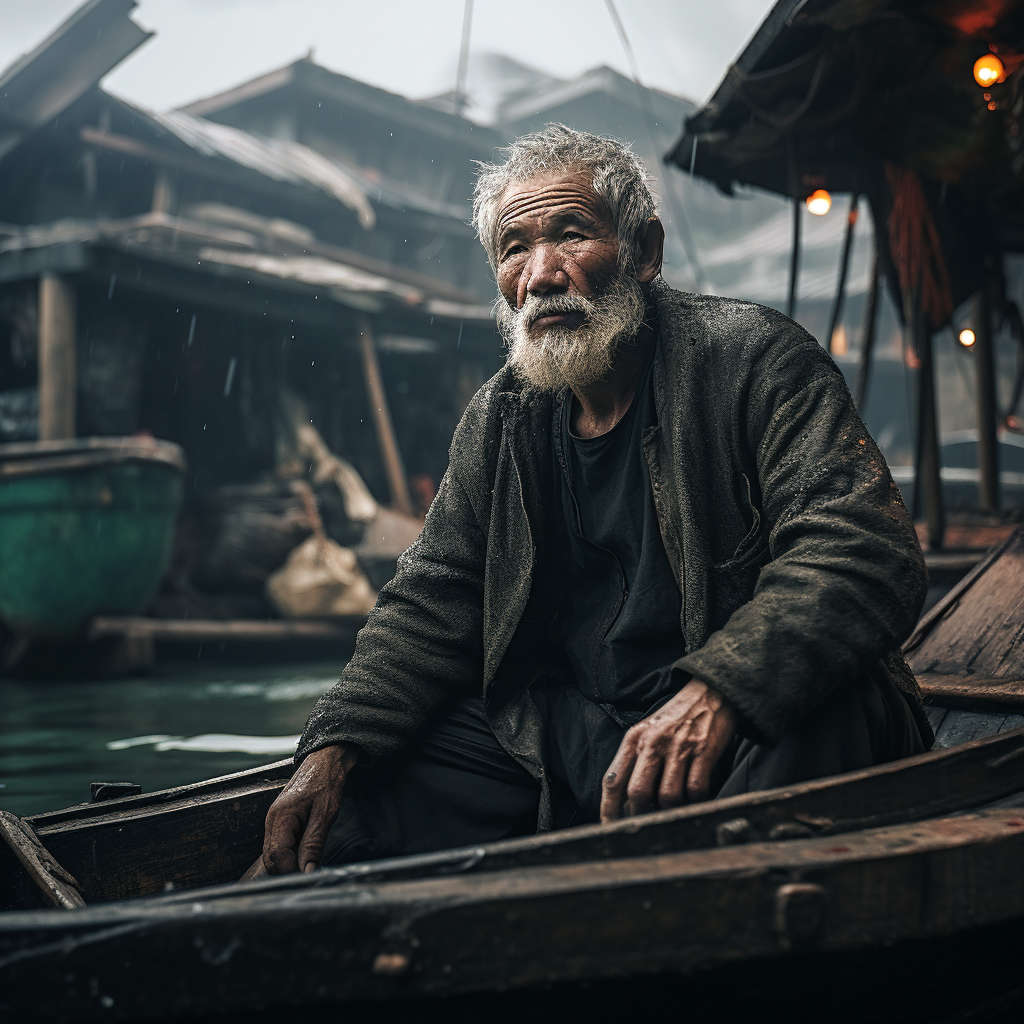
(457, 786)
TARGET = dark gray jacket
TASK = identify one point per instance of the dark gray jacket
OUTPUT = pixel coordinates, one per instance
(797, 559)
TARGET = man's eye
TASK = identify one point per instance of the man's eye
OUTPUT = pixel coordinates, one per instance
(572, 236)
(513, 250)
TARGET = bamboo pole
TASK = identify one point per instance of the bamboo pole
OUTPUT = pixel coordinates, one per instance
(397, 483)
(58, 375)
(984, 362)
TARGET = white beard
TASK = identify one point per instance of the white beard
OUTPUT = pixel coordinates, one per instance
(578, 357)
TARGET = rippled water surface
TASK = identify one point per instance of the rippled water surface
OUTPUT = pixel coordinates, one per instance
(183, 723)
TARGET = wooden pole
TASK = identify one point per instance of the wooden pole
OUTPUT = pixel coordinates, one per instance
(794, 256)
(984, 362)
(794, 260)
(382, 420)
(930, 480)
(58, 376)
(860, 391)
(844, 267)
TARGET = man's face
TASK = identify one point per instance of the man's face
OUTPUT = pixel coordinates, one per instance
(555, 236)
(567, 303)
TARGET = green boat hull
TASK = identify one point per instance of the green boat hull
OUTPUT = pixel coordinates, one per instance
(85, 529)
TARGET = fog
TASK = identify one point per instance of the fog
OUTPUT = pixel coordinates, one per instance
(407, 46)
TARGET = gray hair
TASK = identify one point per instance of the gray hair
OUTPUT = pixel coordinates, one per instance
(618, 175)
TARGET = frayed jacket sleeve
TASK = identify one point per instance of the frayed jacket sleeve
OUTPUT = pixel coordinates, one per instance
(422, 644)
(844, 577)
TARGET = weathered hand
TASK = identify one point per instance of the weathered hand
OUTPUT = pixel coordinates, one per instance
(300, 818)
(667, 759)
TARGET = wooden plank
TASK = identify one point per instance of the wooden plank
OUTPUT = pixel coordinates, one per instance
(952, 561)
(57, 886)
(979, 624)
(342, 628)
(58, 375)
(979, 693)
(260, 949)
(223, 785)
(965, 726)
(378, 400)
(948, 604)
(182, 844)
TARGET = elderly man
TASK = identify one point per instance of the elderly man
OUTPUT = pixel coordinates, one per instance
(667, 561)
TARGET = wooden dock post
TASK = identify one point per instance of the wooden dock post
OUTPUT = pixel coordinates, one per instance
(984, 363)
(58, 376)
(397, 482)
(928, 457)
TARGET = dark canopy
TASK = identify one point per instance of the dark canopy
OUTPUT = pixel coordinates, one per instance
(879, 97)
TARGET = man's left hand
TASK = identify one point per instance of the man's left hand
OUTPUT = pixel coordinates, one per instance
(667, 759)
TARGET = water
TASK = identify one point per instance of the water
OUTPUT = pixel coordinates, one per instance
(181, 724)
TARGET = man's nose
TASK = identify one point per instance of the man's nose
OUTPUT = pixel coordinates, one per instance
(544, 272)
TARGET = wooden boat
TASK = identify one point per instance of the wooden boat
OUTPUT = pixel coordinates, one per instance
(890, 894)
(86, 527)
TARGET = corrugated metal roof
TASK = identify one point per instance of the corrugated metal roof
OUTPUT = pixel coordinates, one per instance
(276, 158)
(41, 84)
(201, 246)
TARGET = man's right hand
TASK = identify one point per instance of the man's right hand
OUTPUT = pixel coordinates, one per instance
(300, 818)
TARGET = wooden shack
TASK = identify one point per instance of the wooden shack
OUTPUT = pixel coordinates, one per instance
(171, 275)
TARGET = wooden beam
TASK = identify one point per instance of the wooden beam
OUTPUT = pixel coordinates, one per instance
(977, 693)
(382, 420)
(58, 375)
(984, 363)
(206, 630)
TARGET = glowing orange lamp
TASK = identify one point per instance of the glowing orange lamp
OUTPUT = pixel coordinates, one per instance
(988, 69)
(967, 337)
(819, 202)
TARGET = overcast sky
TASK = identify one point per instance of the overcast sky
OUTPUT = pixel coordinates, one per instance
(408, 46)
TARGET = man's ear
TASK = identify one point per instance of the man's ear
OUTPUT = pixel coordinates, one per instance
(652, 251)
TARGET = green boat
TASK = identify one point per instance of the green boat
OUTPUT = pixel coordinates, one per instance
(86, 528)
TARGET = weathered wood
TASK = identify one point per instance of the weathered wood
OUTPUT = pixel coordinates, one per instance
(203, 630)
(186, 836)
(58, 375)
(256, 948)
(56, 885)
(966, 726)
(978, 624)
(211, 833)
(979, 693)
(986, 402)
(951, 561)
(378, 400)
(929, 480)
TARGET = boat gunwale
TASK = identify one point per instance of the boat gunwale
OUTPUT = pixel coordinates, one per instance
(15, 465)
(803, 808)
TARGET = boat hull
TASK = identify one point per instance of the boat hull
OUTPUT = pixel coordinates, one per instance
(85, 529)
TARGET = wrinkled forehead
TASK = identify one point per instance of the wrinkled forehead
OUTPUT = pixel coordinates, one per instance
(560, 193)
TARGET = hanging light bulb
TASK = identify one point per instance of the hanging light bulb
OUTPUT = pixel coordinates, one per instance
(988, 69)
(967, 337)
(819, 202)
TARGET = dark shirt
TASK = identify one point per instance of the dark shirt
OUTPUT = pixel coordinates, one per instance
(623, 605)
(619, 604)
